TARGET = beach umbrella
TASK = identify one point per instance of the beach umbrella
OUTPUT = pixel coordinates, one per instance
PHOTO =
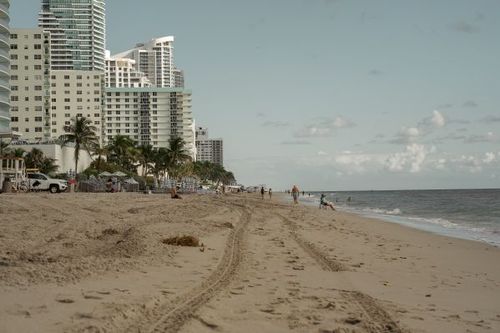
(119, 174)
(105, 174)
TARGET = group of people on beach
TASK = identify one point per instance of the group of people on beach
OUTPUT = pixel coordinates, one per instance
(263, 191)
(323, 203)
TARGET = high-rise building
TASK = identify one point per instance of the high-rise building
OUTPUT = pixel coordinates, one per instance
(30, 83)
(178, 78)
(77, 31)
(211, 150)
(4, 68)
(121, 73)
(155, 59)
(150, 115)
(43, 101)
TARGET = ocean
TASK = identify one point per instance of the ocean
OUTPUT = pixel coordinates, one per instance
(467, 214)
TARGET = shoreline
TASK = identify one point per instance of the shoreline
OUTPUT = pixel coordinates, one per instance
(67, 262)
(427, 224)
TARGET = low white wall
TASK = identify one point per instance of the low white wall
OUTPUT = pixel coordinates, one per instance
(64, 156)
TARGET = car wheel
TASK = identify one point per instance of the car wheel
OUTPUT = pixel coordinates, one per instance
(54, 188)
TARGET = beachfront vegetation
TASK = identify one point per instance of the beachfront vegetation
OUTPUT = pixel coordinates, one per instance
(83, 134)
(34, 159)
(123, 154)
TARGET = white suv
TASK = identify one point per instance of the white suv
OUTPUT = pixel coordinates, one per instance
(42, 182)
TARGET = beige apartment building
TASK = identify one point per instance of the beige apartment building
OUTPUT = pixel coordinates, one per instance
(30, 110)
(150, 116)
(76, 94)
(43, 101)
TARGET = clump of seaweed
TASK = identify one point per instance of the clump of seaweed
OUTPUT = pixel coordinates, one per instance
(182, 241)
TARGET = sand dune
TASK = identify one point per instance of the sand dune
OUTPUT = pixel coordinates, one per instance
(97, 263)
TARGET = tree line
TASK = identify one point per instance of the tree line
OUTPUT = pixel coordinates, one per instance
(124, 154)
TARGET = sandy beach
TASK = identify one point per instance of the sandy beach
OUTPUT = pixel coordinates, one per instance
(86, 262)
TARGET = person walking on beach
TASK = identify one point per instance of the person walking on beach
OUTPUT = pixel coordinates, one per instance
(262, 191)
(295, 194)
(270, 193)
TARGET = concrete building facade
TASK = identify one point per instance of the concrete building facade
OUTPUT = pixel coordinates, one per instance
(43, 101)
(211, 150)
(4, 68)
(76, 94)
(78, 33)
(150, 115)
(30, 84)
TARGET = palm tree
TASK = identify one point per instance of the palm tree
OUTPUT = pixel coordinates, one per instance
(4, 151)
(121, 150)
(146, 154)
(100, 151)
(177, 154)
(83, 134)
(34, 158)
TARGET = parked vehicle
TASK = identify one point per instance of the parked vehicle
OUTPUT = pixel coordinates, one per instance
(42, 182)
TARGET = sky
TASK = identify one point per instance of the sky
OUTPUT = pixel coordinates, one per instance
(333, 94)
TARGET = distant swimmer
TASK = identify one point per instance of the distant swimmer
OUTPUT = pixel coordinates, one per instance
(270, 193)
(295, 194)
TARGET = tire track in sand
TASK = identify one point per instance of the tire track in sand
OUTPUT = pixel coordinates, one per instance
(379, 321)
(326, 263)
(175, 317)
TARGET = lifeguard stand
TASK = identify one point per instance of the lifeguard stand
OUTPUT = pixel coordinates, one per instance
(12, 169)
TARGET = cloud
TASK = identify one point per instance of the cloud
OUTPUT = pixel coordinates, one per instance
(406, 135)
(412, 159)
(375, 72)
(465, 27)
(276, 124)
(488, 137)
(491, 119)
(470, 104)
(324, 127)
(296, 142)
(445, 106)
(424, 127)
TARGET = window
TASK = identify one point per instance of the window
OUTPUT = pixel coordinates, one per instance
(67, 100)
(13, 36)
(37, 57)
(38, 46)
(38, 129)
(14, 98)
(38, 98)
(37, 67)
(66, 77)
(66, 84)
(37, 36)
(13, 77)
(13, 57)
(38, 108)
(67, 115)
(13, 67)
(13, 88)
(38, 119)
(38, 88)
(13, 46)
(14, 119)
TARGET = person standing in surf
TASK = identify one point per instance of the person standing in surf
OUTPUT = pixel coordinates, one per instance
(295, 194)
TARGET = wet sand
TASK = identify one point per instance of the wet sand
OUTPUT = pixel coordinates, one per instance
(78, 262)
